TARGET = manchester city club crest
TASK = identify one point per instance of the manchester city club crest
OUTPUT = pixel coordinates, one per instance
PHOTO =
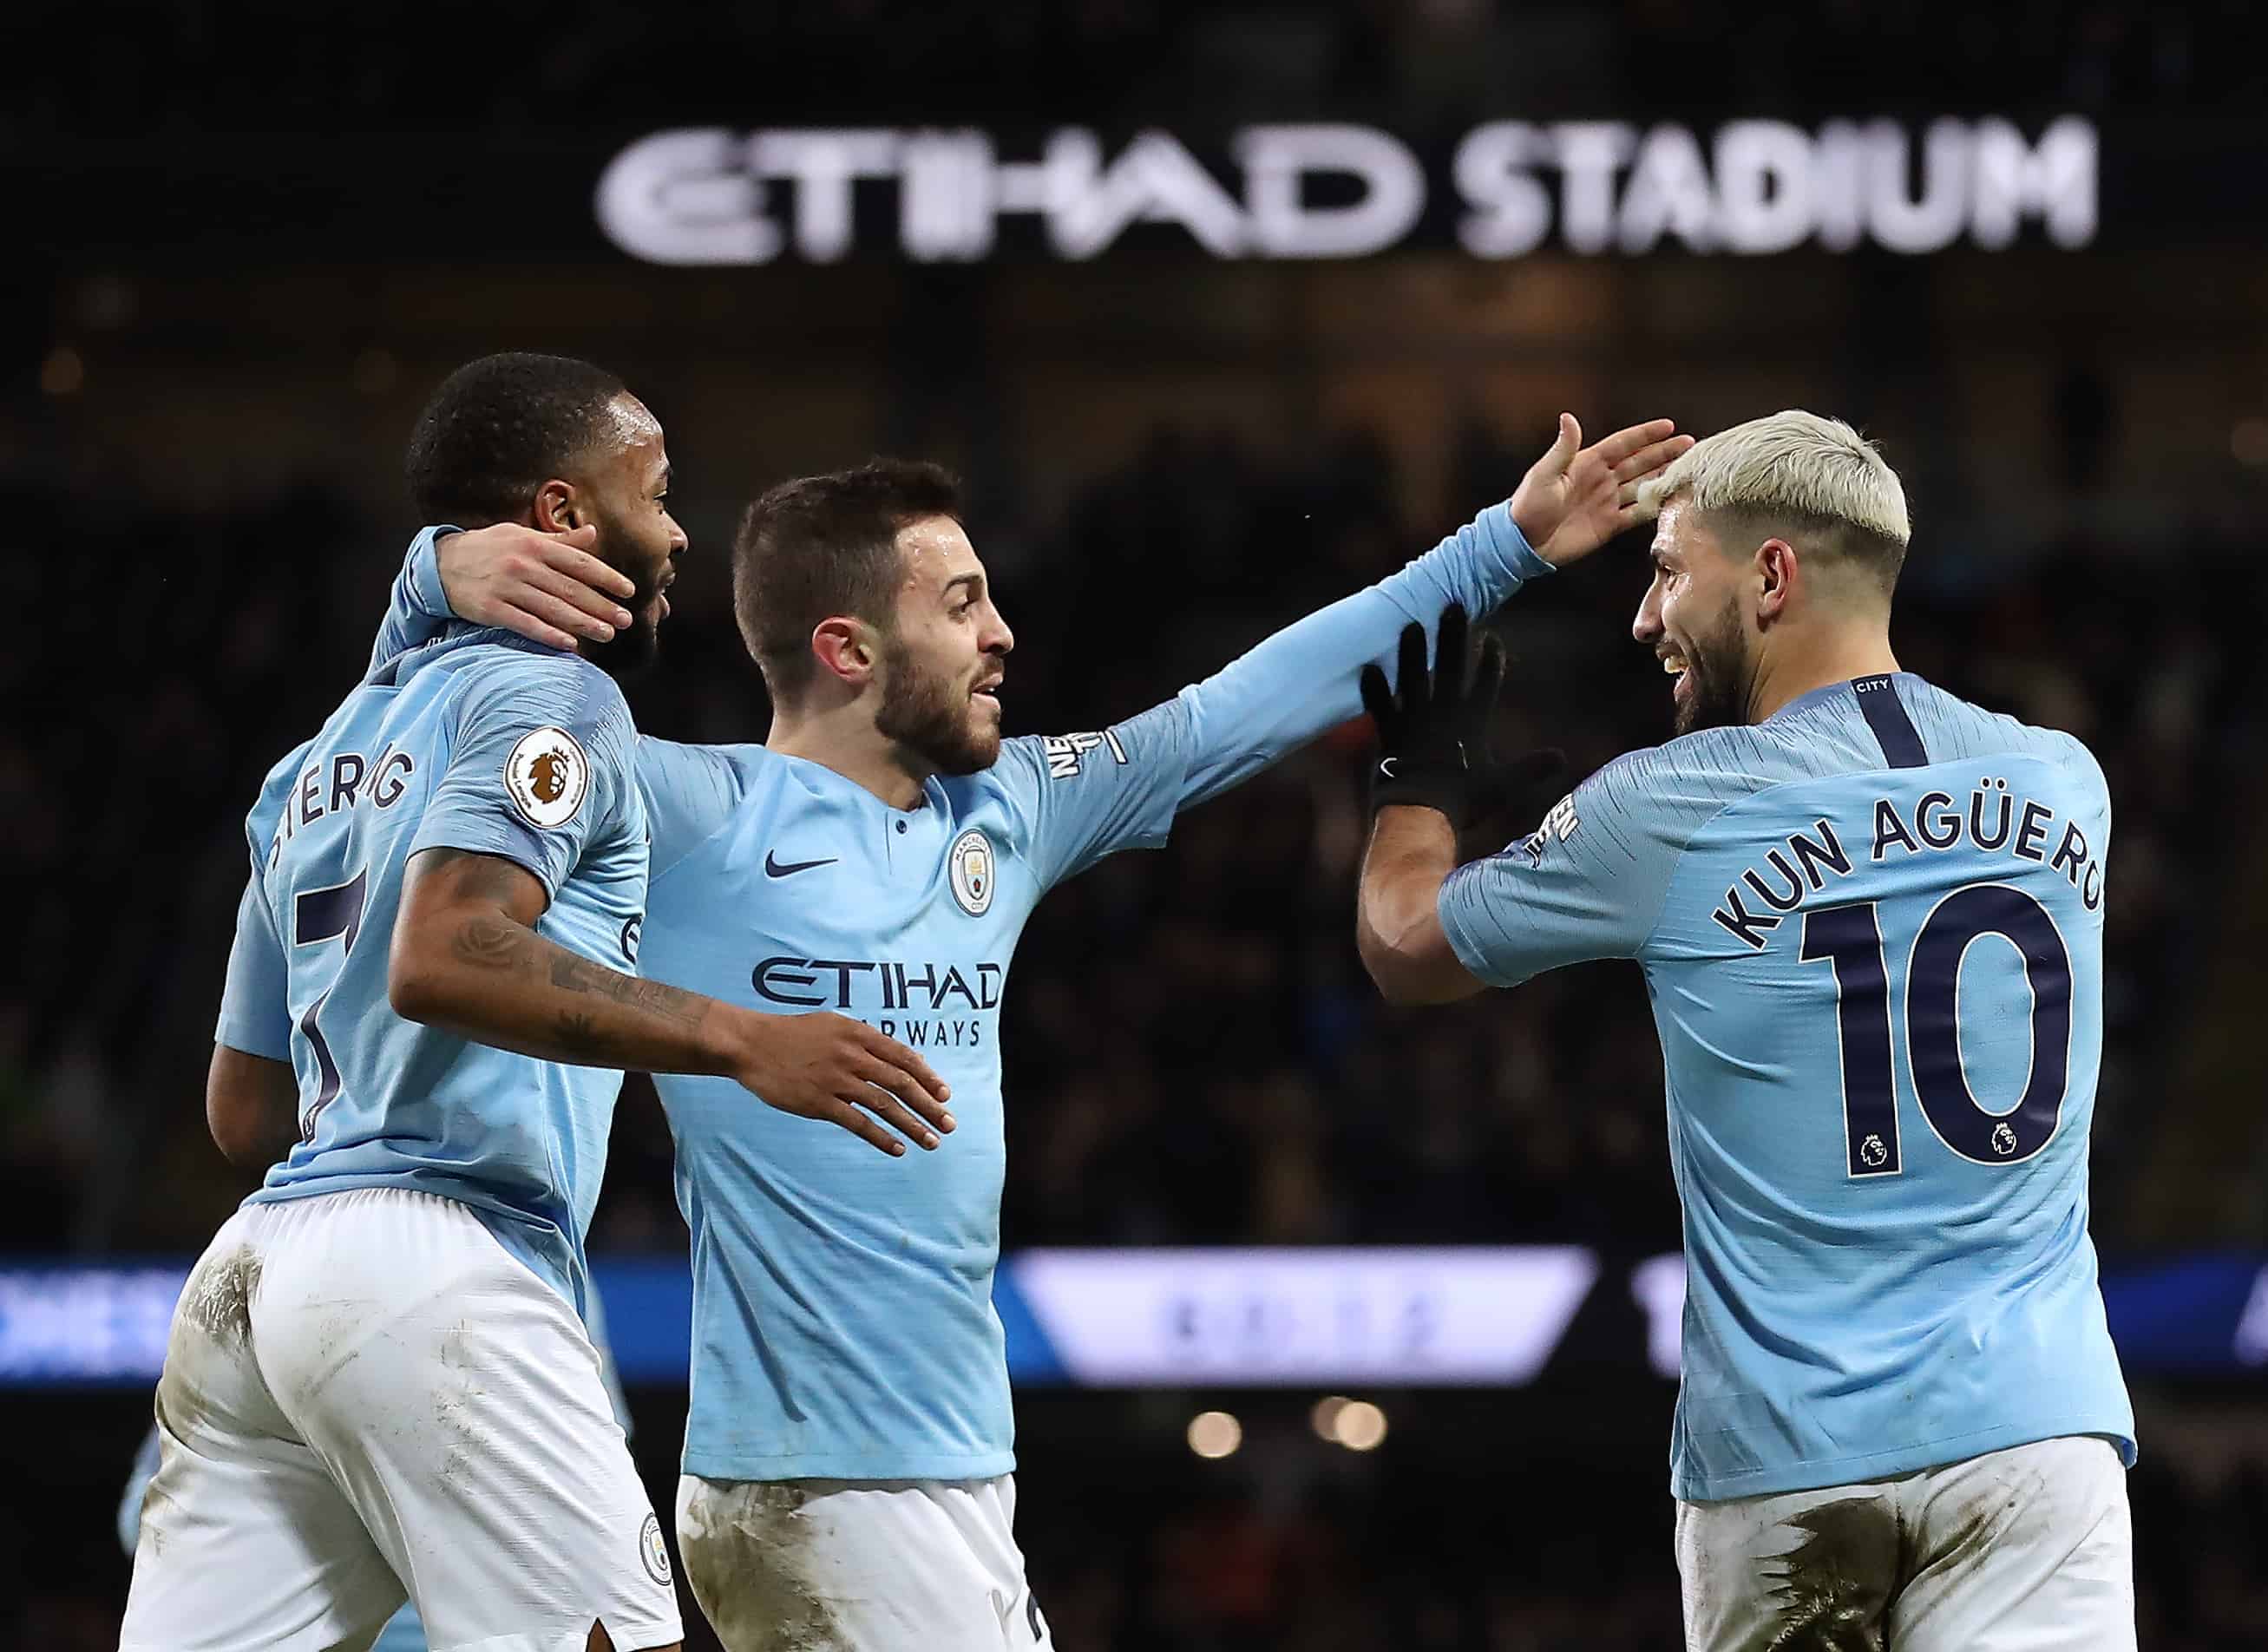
(969, 868)
(654, 1550)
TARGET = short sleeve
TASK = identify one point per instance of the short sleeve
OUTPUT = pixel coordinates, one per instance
(690, 793)
(1089, 795)
(1589, 882)
(256, 1011)
(540, 748)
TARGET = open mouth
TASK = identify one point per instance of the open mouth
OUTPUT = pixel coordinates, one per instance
(1681, 674)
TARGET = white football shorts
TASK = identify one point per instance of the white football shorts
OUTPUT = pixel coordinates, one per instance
(366, 1394)
(860, 1566)
(2032, 1547)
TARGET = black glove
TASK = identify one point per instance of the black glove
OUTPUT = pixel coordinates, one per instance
(1432, 736)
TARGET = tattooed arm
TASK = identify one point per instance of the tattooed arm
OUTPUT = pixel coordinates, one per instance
(465, 958)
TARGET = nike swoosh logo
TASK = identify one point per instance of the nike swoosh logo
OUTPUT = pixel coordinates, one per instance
(777, 869)
(1386, 767)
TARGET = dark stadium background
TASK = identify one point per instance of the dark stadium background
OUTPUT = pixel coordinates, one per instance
(248, 239)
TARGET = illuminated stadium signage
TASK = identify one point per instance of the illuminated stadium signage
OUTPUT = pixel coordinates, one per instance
(1413, 1316)
(713, 195)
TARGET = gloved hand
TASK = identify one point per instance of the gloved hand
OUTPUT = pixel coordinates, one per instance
(1433, 733)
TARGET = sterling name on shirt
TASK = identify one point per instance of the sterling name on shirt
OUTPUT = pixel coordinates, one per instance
(313, 797)
(1994, 820)
(924, 994)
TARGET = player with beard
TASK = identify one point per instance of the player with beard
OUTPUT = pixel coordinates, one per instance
(378, 1382)
(849, 1447)
(1870, 918)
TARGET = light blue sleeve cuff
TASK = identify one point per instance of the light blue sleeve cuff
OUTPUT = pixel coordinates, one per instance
(1509, 544)
(425, 571)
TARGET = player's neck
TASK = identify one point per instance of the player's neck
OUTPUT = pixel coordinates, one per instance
(845, 739)
(1797, 666)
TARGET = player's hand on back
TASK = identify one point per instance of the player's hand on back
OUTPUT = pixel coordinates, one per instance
(1576, 499)
(548, 588)
(828, 1067)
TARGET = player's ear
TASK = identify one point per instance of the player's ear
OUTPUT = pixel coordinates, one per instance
(1777, 571)
(557, 508)
(847, 649)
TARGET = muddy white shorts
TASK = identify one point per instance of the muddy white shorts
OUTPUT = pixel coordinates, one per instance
(365, 1393)
(858, 1565)
(2030, 1547)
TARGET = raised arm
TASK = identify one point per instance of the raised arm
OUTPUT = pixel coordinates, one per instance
(1301, 682)
(1091, 795)
(1589, 882)
(465, 958)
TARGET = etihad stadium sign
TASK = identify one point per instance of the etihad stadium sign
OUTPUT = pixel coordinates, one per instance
(714, 196)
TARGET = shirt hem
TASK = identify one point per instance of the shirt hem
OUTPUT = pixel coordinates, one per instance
(849, 1466)
(1818, 1474)
(488, 1210)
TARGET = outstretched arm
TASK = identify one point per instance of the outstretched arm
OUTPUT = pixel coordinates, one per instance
(1091, 795)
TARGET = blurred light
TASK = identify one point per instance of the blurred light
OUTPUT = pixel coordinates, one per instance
(2249, 441)
(1215, 1433)
(1325, 1417)
(375, 371)
(1359, 1426)
(62, 372)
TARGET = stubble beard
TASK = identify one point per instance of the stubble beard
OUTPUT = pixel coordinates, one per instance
(932, 718)
(1717, 666)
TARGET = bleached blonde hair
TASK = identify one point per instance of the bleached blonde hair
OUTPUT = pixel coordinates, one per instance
(1815, 477)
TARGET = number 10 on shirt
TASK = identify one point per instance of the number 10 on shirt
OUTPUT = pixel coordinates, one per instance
(1850, 940)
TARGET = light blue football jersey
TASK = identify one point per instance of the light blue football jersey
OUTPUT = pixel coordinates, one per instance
(478, 741)
(843, 1318)
(1871, 928)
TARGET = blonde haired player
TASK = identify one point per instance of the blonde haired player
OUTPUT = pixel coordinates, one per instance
(1870, 917)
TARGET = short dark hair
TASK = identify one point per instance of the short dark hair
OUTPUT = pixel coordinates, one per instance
(498, 429)
(828, 544)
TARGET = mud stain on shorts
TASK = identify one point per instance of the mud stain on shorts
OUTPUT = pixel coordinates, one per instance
(459, 1399)
(212, 1325)
(747, 1551)
(1833, 1588)
(218, 1301)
